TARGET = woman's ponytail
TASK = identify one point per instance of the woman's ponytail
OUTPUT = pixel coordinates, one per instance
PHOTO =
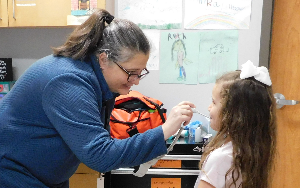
(86, 37)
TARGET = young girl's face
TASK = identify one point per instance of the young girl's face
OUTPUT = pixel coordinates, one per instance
(215, 108)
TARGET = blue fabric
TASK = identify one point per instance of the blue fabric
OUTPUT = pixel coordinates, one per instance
(52, 120)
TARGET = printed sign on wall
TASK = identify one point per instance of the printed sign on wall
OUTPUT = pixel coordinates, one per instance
(6, 69)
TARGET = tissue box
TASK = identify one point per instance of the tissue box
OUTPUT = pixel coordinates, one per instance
(6, 73)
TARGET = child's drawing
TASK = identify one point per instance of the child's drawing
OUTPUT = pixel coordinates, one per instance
(217, 14)
(154, 14)
(178, 57)
(198, 57)
(218, 54)
(180, 50)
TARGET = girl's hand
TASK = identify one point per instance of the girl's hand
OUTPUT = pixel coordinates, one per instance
(179, 114)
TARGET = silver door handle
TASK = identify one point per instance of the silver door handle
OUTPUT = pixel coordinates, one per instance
(280, 100)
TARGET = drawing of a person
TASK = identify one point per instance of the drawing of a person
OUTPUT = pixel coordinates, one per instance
(179, 47)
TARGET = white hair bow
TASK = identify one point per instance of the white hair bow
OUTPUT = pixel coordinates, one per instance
(259, 73)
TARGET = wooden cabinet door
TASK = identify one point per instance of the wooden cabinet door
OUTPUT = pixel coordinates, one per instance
(40, 12)
(285, 75)
(3, 13)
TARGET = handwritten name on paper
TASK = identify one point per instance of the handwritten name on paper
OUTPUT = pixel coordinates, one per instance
(176, 36)
(168, 164)
(221, 4)
(165, 182)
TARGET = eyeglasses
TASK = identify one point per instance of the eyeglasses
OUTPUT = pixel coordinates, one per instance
(133, 77)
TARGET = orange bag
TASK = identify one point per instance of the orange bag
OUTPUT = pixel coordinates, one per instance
(135, 113)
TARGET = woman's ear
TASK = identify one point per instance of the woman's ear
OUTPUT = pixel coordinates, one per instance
(103, 60)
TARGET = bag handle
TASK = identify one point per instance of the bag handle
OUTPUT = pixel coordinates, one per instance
(158, 107)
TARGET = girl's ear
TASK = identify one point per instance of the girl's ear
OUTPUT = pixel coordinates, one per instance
(103, 60)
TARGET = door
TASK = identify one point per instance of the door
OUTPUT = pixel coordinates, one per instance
(285, 75)
(3, 13)
(41, 12)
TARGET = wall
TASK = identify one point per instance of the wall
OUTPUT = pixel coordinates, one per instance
(26, 45)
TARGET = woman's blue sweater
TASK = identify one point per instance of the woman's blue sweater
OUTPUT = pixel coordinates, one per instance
(54, 118)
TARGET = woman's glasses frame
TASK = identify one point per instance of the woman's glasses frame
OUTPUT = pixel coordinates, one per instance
(132, 77)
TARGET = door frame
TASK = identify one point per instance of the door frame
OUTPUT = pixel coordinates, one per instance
(266, 33)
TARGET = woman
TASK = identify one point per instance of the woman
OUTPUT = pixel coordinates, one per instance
(57, 113)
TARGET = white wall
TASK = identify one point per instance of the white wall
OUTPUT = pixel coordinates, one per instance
(26, 45)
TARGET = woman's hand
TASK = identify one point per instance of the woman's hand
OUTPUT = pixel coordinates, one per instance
(179, 114)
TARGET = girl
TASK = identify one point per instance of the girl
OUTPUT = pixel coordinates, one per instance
(243, 112)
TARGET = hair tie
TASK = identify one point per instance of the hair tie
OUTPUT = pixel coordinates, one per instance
(261, 74)
(108, 19)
